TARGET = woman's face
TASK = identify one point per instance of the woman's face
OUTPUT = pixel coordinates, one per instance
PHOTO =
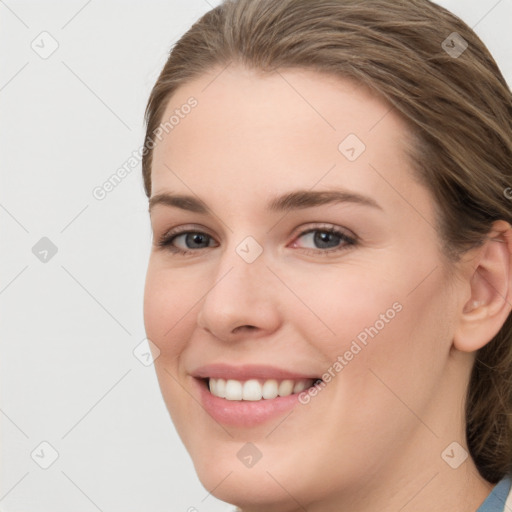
(311, 254)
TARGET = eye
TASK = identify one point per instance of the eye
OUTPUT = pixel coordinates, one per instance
(190, 241)
(324, 240)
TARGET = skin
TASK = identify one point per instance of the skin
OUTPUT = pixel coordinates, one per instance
(373, 438)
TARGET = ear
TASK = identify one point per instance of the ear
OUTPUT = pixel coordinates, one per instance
(489, 280)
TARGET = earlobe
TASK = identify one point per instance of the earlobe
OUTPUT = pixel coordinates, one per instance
(490, 302)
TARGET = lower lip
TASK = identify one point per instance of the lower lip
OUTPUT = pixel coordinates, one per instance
(244, 413)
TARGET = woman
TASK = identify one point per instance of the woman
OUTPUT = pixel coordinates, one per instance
(329, 288)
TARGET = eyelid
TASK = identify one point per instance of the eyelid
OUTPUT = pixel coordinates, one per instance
(322, 226)
(186, 228)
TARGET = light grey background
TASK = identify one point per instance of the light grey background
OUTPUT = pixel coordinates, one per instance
(69, 325)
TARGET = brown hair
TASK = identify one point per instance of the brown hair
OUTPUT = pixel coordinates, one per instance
(458, 107)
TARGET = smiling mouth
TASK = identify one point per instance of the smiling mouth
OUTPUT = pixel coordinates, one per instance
(257, 389)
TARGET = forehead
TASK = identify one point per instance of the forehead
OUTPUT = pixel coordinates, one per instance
(251, 132)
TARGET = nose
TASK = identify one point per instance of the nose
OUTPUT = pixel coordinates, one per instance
(241, 301)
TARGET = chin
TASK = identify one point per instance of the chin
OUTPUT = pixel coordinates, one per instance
(246, 488)
(266, 486)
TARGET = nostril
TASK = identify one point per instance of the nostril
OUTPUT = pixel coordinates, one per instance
(249, 327)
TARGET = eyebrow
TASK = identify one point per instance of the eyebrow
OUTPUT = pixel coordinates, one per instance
(295, 200)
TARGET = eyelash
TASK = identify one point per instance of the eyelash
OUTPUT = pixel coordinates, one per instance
(165, 242)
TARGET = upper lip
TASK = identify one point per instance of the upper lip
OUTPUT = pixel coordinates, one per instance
(246, 372)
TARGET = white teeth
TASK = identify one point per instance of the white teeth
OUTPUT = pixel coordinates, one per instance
(220, 387)
(299, 386)
(251, 390)
(217, 387)
(270, 389)
(286, 388)
(254, 390)
(233, 390)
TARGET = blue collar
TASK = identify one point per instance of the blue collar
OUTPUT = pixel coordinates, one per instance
(495, 502)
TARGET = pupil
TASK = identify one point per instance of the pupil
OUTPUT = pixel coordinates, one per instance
(325, 239)
(197, 238)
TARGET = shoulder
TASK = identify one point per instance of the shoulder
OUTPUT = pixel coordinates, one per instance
(508, 503)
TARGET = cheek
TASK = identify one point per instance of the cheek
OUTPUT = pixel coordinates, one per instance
(168, 309)
(403, 359)
(338, 307)
(168, 317)
(375, 324)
